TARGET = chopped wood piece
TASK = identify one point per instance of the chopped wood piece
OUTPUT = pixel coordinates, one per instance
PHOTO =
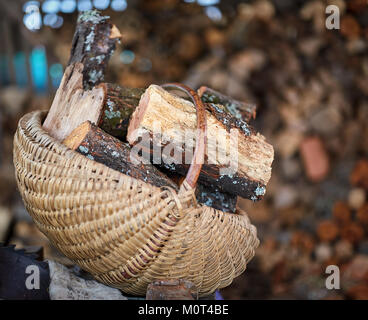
(121, 102)
(214, 198)
(119, 105)
(78, 99)
(73, 105)
(211, 197)
(176, 118)
(239, 109)
(171, 290)
(99, 146)
(93, 44)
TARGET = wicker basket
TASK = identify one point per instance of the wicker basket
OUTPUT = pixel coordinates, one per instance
(125, 232)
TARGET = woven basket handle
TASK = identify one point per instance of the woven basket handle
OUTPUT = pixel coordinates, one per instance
(201, 138)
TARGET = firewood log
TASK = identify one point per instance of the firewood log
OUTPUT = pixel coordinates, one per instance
(239, 109)
(119, 105)
(176, 117)
(93, 44)
(79, 98)
(213, 197)
(209, 196)
(99, 146)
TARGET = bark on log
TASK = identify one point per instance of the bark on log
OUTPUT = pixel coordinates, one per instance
(239, 109)
(118, 107)
(99, 146)
(209, 196)
(121, 102)
(93, 44)
(214, 198)
(78, 98)
(175, 117)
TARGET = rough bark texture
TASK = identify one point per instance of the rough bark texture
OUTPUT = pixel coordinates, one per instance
(119, 105)
(93, 44)
(175, 117)
(209, 196)
(228, 120)
(121, 102)
(239, 109)
(78, 99)
(213, 197)
(99, 146)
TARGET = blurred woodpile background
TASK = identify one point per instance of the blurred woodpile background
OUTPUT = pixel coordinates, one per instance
(311, 88)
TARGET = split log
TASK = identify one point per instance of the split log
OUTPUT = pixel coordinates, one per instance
(209, 196)
(79, 98)
(214, 198)
(72, 105)
(239, 109)
(118, 107)
(93, 44)
(120, 103)
(176, 119)
(99, 146)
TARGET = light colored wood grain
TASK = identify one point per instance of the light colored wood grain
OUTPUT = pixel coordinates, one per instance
(175, 116)
(72, 105)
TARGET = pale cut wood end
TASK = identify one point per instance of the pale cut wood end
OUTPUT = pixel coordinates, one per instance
(74, 140)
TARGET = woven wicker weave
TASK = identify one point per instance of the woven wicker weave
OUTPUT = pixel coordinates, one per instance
(123, 231)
